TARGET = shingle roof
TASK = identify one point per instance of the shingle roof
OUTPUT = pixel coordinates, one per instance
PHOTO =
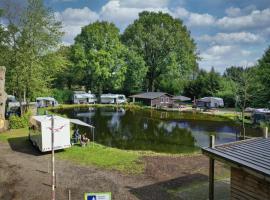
(149, 95)
(181, 98)
(253, 154)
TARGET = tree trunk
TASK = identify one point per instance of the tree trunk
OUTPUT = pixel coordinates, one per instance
(243, 123)
(99, 92)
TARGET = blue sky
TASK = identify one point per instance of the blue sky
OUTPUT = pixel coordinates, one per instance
(227, 32)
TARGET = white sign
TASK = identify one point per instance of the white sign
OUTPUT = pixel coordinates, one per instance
(98, 196)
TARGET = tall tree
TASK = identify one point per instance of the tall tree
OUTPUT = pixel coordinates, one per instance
(166, 46)
(205, 84)
(102, 61)
(35, 35)
(243, 93)
(262, 71)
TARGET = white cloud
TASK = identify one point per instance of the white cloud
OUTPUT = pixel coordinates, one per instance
(73, 19)
(223, 56)
(219, 50)
(233, 12)
(256, 19)
(231, 38)
(143, 3)
(122, 15)
(194, 19)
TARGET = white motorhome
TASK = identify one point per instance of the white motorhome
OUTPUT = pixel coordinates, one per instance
(40, 132)
(46, 102)
(81, 97)
(113, 98)
(210, 102)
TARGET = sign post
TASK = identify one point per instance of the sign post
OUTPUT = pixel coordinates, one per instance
(53, 172)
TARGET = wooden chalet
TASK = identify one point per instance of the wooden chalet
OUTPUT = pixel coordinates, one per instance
(153, 99)
(250, 167)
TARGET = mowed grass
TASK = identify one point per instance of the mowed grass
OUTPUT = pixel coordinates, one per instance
(104, 157)
(91, 155)
(14, 133)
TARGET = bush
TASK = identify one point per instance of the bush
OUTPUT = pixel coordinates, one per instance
(16, 122)
(62, 96)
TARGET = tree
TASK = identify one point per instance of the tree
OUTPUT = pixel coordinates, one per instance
(102, 62)
(243, 93)
(212, 83)
(166, 47)
(205, 84)
(233, 73)
(261, 72)
(135, 74)
(35, 35)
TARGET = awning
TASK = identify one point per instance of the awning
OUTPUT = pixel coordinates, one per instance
(79, 122)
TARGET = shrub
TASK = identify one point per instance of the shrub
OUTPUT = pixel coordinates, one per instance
(62, 96)
(16, 122)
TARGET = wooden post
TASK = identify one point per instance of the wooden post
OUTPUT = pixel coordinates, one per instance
(52, 168)
(211, 170)
(69, 194)
(266, 132)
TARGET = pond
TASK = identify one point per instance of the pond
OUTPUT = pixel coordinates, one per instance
(159, 131)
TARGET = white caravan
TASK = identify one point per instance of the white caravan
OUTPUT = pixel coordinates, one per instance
(81, 97)
(40, 132)
(113, 98)
(46, 102)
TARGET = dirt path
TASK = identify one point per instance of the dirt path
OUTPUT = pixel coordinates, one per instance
(23, 176)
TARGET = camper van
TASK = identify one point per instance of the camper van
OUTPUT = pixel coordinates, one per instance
(46, 102)
(40, 132)
(81, 97)
(113, 98)
(210, 102)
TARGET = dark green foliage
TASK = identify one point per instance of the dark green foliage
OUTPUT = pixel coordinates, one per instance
(205, 84)
(166, 47)
(62, 96)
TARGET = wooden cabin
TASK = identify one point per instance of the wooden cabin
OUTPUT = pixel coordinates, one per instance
(249, 161)
(153, 99)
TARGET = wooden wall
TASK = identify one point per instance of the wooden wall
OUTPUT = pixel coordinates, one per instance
(165, 103)
(248, 187)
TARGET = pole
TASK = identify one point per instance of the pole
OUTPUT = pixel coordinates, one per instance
(69, 194)
(211, 170)
(52, 168)
(266, 132)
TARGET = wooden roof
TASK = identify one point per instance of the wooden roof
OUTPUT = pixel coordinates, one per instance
(252, 154)
(149, 95)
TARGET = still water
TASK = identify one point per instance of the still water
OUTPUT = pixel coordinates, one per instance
(159, 131)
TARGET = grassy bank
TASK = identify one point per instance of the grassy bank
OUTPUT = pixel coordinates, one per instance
(104, 157)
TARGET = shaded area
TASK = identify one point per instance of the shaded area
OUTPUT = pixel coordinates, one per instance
(161, 190)
(23, 145)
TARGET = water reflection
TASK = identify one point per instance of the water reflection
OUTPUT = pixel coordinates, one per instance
(172, 132)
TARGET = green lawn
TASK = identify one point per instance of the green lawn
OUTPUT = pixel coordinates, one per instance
(14, 133)
(93, 154)
(105, 157)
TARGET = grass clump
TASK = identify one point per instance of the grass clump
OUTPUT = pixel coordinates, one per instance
(104, 157)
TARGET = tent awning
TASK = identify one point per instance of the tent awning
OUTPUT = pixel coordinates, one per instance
(79, 122)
